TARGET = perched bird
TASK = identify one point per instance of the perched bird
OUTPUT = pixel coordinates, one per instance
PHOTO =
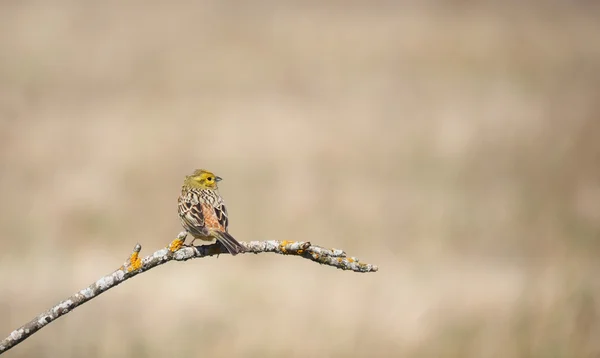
(202, 210)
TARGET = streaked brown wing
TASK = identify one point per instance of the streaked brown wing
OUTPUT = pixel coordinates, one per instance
(192, 216)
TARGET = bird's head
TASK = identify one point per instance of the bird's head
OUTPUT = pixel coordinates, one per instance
(202, 179)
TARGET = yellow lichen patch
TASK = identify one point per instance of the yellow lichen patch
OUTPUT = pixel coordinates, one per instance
(134, 262)
(339, 259)
(350, 259)
(300, 252)
(175, 245)
(283, 244)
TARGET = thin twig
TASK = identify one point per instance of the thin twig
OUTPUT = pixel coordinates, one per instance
(134, 266)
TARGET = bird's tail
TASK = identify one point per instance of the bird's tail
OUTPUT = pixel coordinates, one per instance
(231, 244)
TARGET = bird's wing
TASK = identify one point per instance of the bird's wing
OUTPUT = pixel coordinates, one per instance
(192, 214)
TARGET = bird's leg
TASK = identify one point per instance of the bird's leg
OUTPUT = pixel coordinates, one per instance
(178, 242)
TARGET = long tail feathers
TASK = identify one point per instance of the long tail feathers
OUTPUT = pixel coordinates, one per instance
(231, 244)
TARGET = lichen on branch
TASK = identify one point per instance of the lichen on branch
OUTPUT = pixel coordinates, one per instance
(177, 252)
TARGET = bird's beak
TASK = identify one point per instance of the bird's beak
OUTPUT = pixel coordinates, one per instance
(218, 179)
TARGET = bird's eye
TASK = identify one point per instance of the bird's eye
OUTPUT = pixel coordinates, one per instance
(210, 178)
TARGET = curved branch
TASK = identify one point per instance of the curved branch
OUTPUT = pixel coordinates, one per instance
(134, 266)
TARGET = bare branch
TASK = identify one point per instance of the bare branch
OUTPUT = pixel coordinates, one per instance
(176, 252)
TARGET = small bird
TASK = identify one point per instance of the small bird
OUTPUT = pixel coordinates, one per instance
(202, 210)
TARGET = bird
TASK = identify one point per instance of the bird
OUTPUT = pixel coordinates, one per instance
(202, 210)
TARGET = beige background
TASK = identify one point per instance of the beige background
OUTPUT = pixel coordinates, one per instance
(455, 144)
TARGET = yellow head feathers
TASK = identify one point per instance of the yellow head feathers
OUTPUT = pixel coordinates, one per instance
(202, 179)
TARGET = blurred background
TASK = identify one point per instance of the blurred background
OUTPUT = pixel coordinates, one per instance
(456, 144)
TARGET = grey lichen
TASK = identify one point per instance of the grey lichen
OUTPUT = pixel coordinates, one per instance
(63, 307)
(16, 334)
(87, 292)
